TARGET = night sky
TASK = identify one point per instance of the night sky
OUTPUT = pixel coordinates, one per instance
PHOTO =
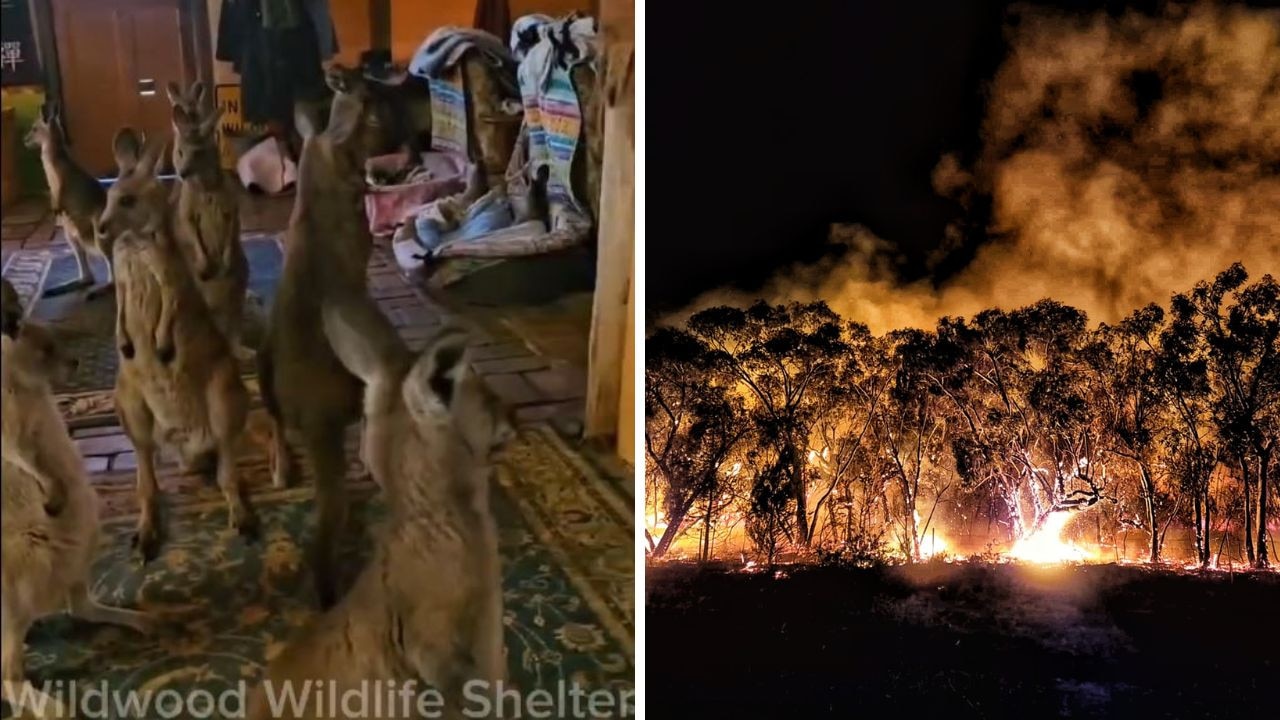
(764, 128)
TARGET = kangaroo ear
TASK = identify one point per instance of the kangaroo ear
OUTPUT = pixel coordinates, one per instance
(174, 92)
(361, 336)
(304, 120)
(345, 118)
(210, 123)
(127, 147)
(447, 360)
(150, 163)
(198, 91)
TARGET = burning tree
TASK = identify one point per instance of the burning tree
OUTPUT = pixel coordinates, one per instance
(782, 356)
(854, 394)
(1132, 404)
(1236, 328)
(694, 421)
(911, 429)
(1024, 424)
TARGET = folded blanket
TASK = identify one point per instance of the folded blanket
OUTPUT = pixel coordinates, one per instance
(529, 238)
(451, 220)
(553, 118)
(565, 42)
(448, 112)
(444, 48)
(525, 33)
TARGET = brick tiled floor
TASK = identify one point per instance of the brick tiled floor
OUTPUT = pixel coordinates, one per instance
(533, 355)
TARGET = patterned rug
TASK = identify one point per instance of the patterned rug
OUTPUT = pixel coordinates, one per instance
(226, 606)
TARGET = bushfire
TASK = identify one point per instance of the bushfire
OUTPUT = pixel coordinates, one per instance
(789, 432)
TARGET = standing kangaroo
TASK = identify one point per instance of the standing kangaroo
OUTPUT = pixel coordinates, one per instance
(75, 197)
(207, 224)
(304, 386)
(50, 529)
(178, 384)
(428, 606)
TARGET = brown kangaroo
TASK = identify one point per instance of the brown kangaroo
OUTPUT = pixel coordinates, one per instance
(50, 529)
(305, 388)
(76, 198)
(428, 606)
(207, 224)
(178, 384)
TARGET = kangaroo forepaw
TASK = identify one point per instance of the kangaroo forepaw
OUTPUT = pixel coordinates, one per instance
(147, 542)
(144, 624)
(248, 526)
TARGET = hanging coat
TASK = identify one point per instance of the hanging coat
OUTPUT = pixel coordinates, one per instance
(275, 65)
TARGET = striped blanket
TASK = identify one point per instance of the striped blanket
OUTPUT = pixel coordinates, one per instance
(553, 119)
(448, 111)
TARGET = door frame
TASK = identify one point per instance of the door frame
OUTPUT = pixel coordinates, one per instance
(197, 43)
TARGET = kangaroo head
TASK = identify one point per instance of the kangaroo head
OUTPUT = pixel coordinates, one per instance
(46, 130)
(191, 100)
(442, 382)
(33, 357)
(136, 201)
(334, 157)
(195, 146)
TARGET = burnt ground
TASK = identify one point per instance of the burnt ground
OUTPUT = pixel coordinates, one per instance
(961, 640)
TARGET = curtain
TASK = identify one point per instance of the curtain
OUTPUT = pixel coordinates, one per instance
(494, 16)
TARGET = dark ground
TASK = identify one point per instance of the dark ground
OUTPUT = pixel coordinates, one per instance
(962, 640)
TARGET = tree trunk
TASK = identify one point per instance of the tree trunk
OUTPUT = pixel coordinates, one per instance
(1199, 524)
(669, 535)
(1207, 550)
(1248, 515)
(1263, 560)
(798, 489)
(913, 528)
(1149, 498)
(1015, 513)
(706, 526)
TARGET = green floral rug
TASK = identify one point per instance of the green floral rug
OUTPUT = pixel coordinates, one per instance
(225, 606)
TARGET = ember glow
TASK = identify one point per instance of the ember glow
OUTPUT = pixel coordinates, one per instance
(1046, 545)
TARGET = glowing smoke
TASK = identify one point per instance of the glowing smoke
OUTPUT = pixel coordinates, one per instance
(1126, 158)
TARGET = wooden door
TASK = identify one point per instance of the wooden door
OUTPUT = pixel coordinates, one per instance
(115, 58)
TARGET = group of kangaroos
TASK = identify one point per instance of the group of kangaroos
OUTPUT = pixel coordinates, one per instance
(428, 605)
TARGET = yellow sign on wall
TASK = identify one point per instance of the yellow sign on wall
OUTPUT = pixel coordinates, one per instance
(232, 125)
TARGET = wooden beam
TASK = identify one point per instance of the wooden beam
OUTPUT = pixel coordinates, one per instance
(611, 314)
(379, 24)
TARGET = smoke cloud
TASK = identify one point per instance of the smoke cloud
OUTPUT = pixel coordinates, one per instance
(1125, 158)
